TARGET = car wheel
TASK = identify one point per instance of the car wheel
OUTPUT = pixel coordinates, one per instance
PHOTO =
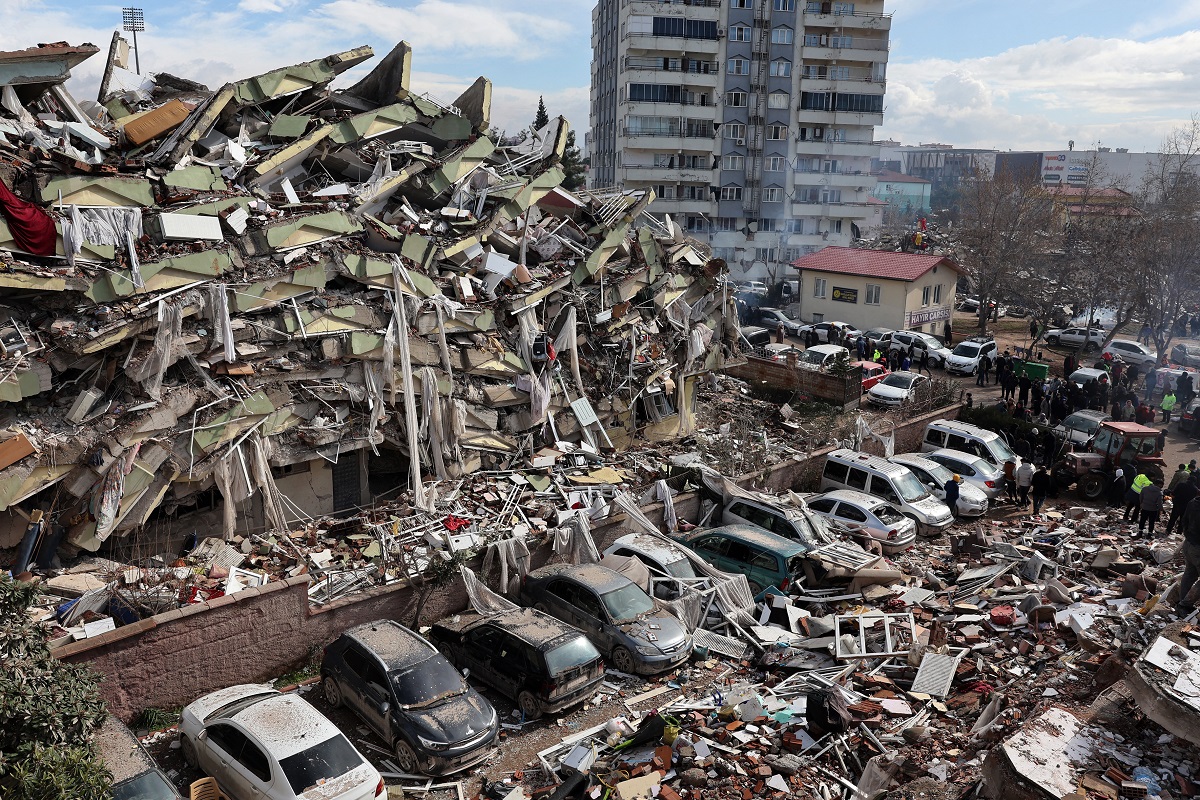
(623, 660)
(189, 751)
(1091, 486)
(333, 691)
(754, 588)
(1052, 340)
(530, 706)
(406, 758)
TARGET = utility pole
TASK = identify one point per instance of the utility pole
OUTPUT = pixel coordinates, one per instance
(132, 21)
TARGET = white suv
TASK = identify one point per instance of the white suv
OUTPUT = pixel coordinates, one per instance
(1132, 353)
(966, 356)
(920, 341)
(1091, 339)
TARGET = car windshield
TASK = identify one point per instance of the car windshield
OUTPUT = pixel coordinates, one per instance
(681, 569)
(909, 487)
(930, 342)
(427, 682)
(937, 472)
(151, 786)
(1082, 422)
(999, 450)
(627, 603)
(899, 381)
(887, 514)
(813, 357)
(967, 350)
(331, 758)
(572, 654)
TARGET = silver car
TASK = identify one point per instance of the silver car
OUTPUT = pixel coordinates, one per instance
(972, 502)
(980, 473)
(1081, 426)
(859, 511)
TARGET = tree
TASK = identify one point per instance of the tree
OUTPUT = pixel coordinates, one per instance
(541, 119)
(48, 710)
(574, 167)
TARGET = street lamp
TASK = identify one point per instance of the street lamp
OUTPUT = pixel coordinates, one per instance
(132, 21)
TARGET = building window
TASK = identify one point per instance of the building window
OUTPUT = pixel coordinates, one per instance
(808, 164)
(764, 254)
(739, 66)
(724, 224)
(937, 294)
(731, 193)
(734, 163)
(735, 130)
(813, 6)
(783, 69)
(697, 224)
(839, 73)
(777, 133)
(843, 8)
(831, 195)
(839, 134)
(925, 296)
(872, 294)
(726, 253)
(818, 317)
(739, 33)
(655, 93)
(777, 100)
(785, 5)
(769, 225)
(741, 3)
(735, 99)
(776, 163)
(835, 226)
(819, 288)
(781, 36)
(841, 40)
(772, 194)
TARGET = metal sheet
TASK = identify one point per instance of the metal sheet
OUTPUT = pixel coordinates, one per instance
(936, 674)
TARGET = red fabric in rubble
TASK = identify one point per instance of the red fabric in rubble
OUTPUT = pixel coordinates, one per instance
(32, 228)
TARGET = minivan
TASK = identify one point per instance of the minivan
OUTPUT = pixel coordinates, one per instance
(849, 469)
(822, 355)
(765, 558)
(955, 435)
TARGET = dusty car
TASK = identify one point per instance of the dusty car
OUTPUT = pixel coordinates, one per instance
(898, 389)
(774, 317)
(135, 776)
(636, 633)
(971, 501)
(973, 469)
(765, 558)
(858, 511)
(542, 663)
(1079, 427)
(259, 743)
(404, 689)
(668, 563)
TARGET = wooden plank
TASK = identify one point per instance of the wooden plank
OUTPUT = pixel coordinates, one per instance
(14, 449)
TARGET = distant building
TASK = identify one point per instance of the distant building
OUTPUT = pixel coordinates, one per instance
(904, 193)
(877, 288)
(1079, 168)
(943, 165)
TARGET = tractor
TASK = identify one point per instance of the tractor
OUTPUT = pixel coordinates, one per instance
(1116, 444)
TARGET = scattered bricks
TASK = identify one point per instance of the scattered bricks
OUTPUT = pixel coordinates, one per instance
(763, 772)
(667, 793)
(785, 764)
(1003, 615)
(694, 778)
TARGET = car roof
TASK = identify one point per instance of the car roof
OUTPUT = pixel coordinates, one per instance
(285, 724)
(752, 534)
(964, 427)
(594, 576)
(527, 624)
(120, 750)
(920, 459)
(202, 707)
(396, 645)
(825, 349)
(860, 459)
(858, 498)
(661, 550)
(959, 455)
(1089, 412)
(865, 364)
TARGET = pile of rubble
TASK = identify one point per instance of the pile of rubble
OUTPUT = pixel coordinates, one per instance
(223, 299)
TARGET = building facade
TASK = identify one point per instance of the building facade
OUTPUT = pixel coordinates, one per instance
(752, 120)
(876, 288)
(904, 193)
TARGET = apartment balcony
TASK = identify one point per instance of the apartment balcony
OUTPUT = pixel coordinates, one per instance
(674, 46)
(679, 206)
(858, 20)
(837, 180)
(643, 174)
(830, 147)
(664, 8)
(858, 82)
(642, 108)
(868, 51)
(839, 119)
(849, 209)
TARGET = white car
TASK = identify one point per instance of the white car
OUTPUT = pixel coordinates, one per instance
(1132, 353)
(971, 501)
(822, 355)
(965, 357)
(1090, 338)
(1084, 374)
(859, 511)
(263, 745)
(823, 329)
(780, 352)
(897, 389)
(920, 341)
(979, 472)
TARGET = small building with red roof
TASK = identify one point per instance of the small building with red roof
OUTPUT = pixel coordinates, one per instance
(877, 288)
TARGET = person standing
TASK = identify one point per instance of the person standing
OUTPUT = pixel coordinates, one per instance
(1167, 405)
(1183, 494)
(1040, 484)
(1191, 557)
(780, 333)
(947, 333)
(925, 361)
(985, 364)
(1010, 479)
(1118, 487)
(1151, 381)
(1133, 497)
(952, 494)
(861, 347)
(1179, 477)
(1024, 482)
(1151, 506)
(1025, 385)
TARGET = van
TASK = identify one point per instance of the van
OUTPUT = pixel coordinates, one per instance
(756, 335)
(765, 558)
(849, 469)
(822, 355)
(955, 435)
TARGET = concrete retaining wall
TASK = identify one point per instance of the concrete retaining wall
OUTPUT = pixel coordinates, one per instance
(168, 660)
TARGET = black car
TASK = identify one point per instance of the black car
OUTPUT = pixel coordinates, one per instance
(411, 696)
(134, 773)
(542, 663)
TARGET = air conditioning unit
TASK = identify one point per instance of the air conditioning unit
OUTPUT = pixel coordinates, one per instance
(740, 142)
(720, 32)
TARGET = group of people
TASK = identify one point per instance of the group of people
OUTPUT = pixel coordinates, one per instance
(1026, 482)
(896, 359)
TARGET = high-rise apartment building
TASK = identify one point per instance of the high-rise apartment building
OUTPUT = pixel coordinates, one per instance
(752, 120)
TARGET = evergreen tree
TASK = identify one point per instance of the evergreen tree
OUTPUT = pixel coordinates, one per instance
(541, 119)
(574, 168)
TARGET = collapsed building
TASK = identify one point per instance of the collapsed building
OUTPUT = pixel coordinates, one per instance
(236, 310)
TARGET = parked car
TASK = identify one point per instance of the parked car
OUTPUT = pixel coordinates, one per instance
(756, 335)
(1169, 376)
(765, 558)
(858, 511)
(135, 776)
(898, 388)
(966, 356)
(542, 663)
(920, 342)
(774, 317)
(1084, 374)
(404, 689)
(1090, 338)
(793, 523)
(822, 356)
(1185, 355)
(753, 287)
(858, 471)
(624, 622)
(971, 501)
(1080, 426)
(975, 470)
(780, 352)
(1132, 353)
(259, 743)
(954, 435)
(823, 329)
(878, 338)
(1189, 414)
(872, 373)
(667, 562)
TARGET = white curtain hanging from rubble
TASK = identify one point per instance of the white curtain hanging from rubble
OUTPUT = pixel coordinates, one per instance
(260, 464)
(411, 425)
(511, 554)
(445, 307)
(432, 429)
(149, 371)
(483, 600)
(539, 396)
(218, 311)
(72, 233)
(568, 341)
(573, 538)
(863, 431)
(699, 340)
(527, 332)
(665, 496)
(223, 477)
(106, 500)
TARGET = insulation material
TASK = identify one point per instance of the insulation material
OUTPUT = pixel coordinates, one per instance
(162, 354)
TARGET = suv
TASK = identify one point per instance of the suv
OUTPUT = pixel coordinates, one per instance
(1090, 338)
(403, 688)
(541, 662)
(1132, 353)
(966, 356)
(765, 558)
(920, 341)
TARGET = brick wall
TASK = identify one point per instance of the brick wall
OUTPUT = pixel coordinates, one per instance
(169, 660)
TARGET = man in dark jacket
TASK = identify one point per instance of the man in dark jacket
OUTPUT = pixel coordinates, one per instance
(1185, 493)
(1041, 487)
(1191, 556)
(1152, 503)
(952, 494)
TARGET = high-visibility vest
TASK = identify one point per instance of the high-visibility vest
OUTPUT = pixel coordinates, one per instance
(1140, 482)
(1168, 401)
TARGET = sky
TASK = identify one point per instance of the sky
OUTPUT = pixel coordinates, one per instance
(1016, 75)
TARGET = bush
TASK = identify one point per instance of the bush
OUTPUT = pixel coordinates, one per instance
(993, 419)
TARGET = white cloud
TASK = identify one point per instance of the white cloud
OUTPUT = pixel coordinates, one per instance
(1185, 12)
(265, 6)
